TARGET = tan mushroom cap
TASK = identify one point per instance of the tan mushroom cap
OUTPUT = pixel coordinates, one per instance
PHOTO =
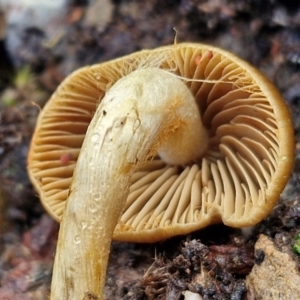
(239, 179)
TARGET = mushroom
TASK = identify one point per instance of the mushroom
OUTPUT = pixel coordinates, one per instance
(155, 144)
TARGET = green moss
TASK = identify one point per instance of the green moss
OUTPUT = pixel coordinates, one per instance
(23, 77)
(296, 245)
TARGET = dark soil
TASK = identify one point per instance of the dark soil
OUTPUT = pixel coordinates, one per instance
(213, 262)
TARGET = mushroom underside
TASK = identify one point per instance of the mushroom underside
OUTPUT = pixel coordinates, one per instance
(236, 181)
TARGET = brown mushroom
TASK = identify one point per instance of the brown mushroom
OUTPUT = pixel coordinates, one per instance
(224, 156)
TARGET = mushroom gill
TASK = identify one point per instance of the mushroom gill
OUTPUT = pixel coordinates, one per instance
(239, 177)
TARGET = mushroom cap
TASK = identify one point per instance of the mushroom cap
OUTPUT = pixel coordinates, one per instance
(239, 178)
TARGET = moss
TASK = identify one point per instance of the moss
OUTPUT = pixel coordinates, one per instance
(296, 245)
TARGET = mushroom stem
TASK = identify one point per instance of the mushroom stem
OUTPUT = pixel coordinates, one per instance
(148, 110)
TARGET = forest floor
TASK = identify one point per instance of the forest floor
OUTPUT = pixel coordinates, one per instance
(214, 263)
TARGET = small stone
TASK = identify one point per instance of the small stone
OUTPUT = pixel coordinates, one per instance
(191, 296)
(276, 277)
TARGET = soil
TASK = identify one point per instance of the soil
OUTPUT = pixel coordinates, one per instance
(213, 263)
